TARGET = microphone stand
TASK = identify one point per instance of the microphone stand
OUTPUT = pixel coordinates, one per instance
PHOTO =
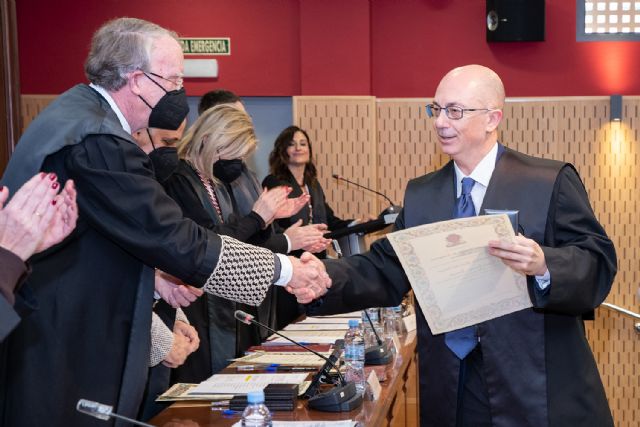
(392, 209)
(376, 354)
(104, 412)
(341, 398)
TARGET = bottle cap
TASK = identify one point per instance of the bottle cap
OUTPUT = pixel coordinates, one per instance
(255, 396)
(353, 323)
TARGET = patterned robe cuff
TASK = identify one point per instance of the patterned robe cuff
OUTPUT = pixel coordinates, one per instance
(161, 340)
(243, 274)
(181, 316)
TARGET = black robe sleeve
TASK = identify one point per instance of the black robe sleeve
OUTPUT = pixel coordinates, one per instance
(248, 228)
(119, 195)
(373, 279)
(580, 257)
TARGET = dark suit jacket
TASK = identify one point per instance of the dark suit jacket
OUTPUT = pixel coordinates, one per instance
(538, 365)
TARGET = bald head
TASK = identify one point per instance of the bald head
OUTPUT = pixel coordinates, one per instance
(479, 84)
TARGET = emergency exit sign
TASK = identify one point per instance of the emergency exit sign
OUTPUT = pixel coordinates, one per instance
(206, 46)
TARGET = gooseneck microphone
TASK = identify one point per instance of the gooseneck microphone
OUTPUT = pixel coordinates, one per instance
(392, 209)
(376, 354)
(342, 398)
(103, 412)
(248, 319)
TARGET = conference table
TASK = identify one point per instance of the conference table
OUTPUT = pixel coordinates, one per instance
(396, 406)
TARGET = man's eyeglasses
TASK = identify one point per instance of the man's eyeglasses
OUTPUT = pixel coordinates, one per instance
(177, 80)
(453, 111)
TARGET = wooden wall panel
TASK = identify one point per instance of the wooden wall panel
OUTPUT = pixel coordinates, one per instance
(31, 106)
(575, 130)
(342, 132)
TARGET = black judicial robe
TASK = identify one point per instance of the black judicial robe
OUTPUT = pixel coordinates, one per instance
(90, 336)
(537, 363)
(221, 337)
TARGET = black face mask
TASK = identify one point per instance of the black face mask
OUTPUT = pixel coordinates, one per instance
(171, 109)
(164, 159)
(227, 170)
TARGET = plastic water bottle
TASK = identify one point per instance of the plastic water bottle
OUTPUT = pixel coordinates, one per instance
(256, 414)
(369, 335)
(389, 327)
(400, 328)
(354, 356)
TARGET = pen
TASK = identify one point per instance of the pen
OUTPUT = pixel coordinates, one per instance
(290, 368)
(256, 367)
(225, 411)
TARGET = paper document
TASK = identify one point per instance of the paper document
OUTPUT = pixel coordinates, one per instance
(454, 278)
(286, 359)
(353, 314)
(243, 383)
(180, 391)
(317, 327)
(327, 320)
(275, 423)
(304, 337)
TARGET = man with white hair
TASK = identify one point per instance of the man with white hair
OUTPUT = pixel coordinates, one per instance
(532, 367)
(89, 338)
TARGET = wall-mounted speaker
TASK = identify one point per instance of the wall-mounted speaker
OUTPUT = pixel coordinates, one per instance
(515, 20)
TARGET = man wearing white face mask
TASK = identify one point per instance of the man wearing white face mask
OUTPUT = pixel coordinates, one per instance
(90, 336)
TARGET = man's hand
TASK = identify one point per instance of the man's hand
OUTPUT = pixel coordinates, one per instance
(522, 255)
(308, 237)
(174, 291)
(310, 279)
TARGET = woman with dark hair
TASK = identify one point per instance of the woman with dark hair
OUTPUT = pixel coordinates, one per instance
(291, 163)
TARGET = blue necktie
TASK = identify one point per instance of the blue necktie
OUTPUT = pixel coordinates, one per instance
(462, 341)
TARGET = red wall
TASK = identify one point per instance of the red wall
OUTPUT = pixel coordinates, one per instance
(386, 48)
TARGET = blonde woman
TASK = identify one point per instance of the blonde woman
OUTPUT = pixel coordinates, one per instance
(214, 188)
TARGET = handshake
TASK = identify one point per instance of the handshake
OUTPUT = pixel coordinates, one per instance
(309, 280)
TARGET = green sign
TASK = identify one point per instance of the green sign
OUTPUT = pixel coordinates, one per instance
(200, 46)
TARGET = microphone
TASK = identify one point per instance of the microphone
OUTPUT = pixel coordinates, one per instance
(103, 412)
(392, 209)
(342, 398)
(376, 354)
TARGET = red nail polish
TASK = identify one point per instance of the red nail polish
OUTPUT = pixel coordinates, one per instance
(53, 202)
(55, 185)
(52, 176)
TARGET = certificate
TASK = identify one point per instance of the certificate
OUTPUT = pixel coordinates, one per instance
(455, 280)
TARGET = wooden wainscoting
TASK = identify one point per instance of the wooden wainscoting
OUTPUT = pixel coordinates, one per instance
(31, 106)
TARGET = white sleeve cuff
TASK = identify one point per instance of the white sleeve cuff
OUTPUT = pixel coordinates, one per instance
(286, 270)
(544, 281)
(288, 242)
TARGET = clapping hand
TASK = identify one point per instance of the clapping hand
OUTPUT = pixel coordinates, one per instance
(37, 217)
(290, 207)
(307, 237)
(269, 203)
